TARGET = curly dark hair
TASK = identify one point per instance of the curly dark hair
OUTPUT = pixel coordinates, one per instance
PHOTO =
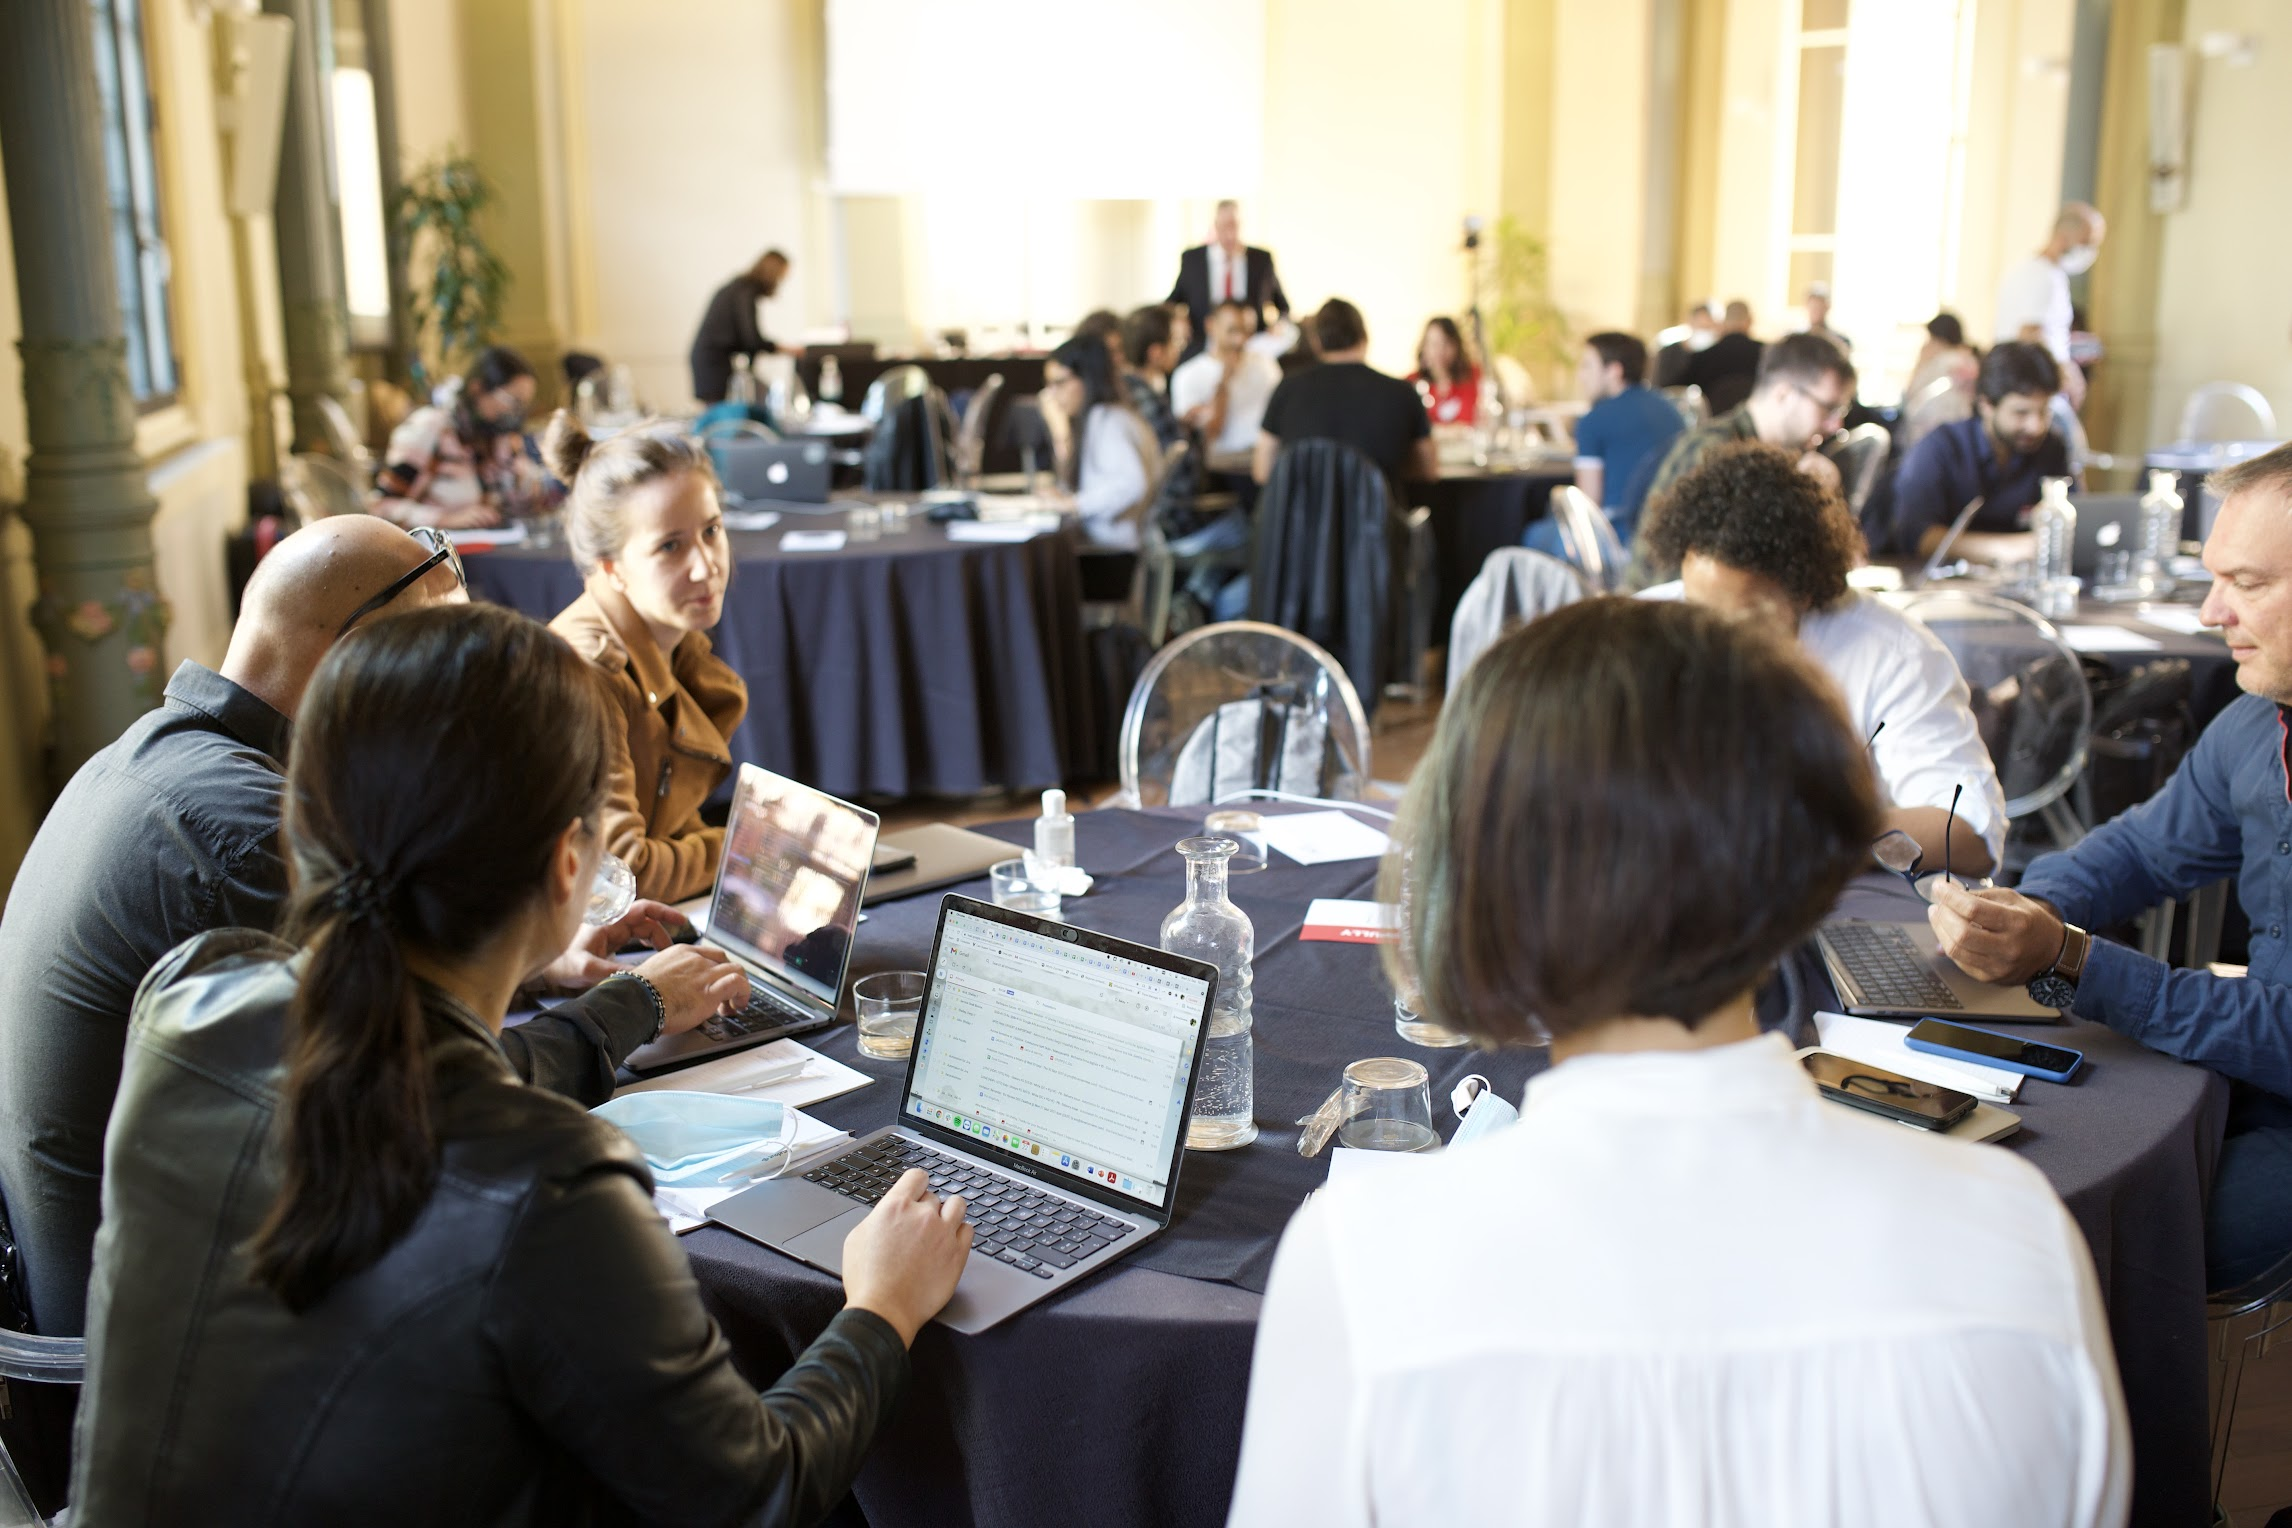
(1747, 505)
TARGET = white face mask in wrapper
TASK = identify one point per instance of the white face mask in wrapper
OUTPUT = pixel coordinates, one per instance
(702, 1140)
(1483, 1111)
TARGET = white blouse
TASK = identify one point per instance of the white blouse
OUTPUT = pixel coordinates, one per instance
(1686, 1292)
(1113, 477)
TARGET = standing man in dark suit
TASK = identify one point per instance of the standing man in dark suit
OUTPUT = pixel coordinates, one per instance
(1226, 270)
(729, 327)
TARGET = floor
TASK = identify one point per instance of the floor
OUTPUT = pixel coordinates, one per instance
(2259, 1480)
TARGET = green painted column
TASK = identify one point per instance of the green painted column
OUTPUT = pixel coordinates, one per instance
(85, 495)
(309, 224)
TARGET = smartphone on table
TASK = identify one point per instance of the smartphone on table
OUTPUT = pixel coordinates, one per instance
(1890, 1095)
(2053, 1063)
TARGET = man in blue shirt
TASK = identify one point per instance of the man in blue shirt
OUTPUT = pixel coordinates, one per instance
(1625, 431)
(2000, 456)
(2227, 811)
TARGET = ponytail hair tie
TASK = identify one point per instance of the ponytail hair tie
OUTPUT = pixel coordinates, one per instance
(362, 894)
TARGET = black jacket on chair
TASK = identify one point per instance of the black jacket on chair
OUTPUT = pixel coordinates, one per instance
(1328, 556)
(532, 1351)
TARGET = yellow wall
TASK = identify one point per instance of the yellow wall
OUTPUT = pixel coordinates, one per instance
(2224, 311)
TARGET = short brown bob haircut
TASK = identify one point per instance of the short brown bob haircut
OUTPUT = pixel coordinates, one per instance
(1630, 808)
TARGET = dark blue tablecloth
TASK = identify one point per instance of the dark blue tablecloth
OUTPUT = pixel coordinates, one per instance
(1120, 1402)
(906, 666)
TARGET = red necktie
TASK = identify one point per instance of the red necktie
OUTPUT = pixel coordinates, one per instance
(1229, 278)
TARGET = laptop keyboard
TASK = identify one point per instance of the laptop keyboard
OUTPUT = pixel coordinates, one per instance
(1888, 966)
(1034, 1232)
(766, 1010)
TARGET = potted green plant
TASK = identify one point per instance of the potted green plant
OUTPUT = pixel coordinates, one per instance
(461, 281)
(1523, 321)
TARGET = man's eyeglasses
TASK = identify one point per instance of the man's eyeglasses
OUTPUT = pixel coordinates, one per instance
(1832, 412)
(1901, 853)
(441, 550)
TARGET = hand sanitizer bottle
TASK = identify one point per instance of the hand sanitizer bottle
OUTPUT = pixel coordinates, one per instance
(1054, 835)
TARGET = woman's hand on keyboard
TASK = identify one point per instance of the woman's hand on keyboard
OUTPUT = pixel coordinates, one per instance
(696, 983)
(902, 1262)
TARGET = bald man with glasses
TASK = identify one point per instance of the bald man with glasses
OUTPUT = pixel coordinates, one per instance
(173, 831)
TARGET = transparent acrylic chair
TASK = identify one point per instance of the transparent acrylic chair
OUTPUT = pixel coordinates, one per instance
(1587, 539)
(1514, 586)
(317, 486)
(2029, 693)
(47, 1361)
(2227, 411)
(1290, 689)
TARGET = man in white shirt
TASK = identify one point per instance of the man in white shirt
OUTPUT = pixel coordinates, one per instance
(1754, 536)
(1682, 1290)
(1226, 270)
(1222, 392)
(2033, 296)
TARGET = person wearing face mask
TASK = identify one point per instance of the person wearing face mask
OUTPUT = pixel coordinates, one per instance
(2001, 456)
(466, 460)
(1677, 346)
(730, 326)
(1805, 386)
(1755, 538)
(2034, 305)
(646, 530)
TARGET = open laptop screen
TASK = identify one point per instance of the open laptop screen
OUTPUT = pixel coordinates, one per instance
(788, 895)
(1075, 1057)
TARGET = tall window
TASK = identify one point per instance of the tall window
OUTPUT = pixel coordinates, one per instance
(131, 179)
(1822, 97)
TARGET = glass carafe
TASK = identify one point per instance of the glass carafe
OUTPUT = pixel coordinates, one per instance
(1208, 927)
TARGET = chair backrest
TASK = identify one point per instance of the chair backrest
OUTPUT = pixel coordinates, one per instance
(737, 429)
(1514, 586)
(896, 385)
(2227, 411)
(908, 450)
(971, 434)
(1515, 389)
(39, 1360)
(1587, 539)
(1694, 410)
(2028, 687)
(317, 486)
(1329, 555)
(343, 439)
(1945, 400)
(1292, 691)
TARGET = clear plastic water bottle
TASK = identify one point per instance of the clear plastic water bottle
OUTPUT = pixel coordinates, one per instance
(831, 381)
(2160, 534)
(1208, 927)
(2055, 521)
(741, 388)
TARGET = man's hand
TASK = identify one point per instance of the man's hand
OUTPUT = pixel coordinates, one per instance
(696, 983)
(1822, 469)
(588, 960)
(1995, 936)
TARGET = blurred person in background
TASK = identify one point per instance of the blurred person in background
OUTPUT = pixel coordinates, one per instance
(1445, 375)
(466, 459)
(2001, 457)
(2034, 305)
(731, 326)
(1728, 367)
(1226, 270)
(1621, 438)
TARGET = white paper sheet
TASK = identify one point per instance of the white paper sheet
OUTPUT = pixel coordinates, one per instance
(997, 530)
(2108, 639)
(751, 519)
(2181, 618)
(1320, 838)
(1874, 1042)
(752, 1073)
(812, 541)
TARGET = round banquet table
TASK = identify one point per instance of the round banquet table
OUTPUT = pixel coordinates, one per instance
(909, 665)
(1120, 1402)
(1475, 510)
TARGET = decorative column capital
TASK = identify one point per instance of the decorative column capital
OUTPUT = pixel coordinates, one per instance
(76, 392)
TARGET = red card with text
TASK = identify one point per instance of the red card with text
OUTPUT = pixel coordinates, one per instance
(1330, 920)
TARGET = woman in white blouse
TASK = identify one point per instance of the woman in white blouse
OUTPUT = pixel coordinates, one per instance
(1111, 470)
(1683, 1291)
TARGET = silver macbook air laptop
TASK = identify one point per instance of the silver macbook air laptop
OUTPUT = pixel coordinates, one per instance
(1052, 1071)
(932, 856)
(2106, 522)
(787, 900)
(766, 472)
(1898, 971)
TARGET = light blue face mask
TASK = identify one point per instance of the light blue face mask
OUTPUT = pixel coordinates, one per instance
(705, 1140)
(1485, 1111)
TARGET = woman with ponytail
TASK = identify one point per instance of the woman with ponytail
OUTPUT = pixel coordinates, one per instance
(351, 1270)
(648, 535)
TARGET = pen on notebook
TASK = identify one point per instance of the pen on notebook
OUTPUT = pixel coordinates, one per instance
(772, 1074)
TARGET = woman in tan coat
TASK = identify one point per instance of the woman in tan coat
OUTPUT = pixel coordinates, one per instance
(645, 528)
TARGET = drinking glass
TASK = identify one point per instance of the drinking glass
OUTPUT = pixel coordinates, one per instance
(889, 1003)
(1387, 1106)
(1417, 1030)
(863, 522)
(611, 894)
(1247, 830)
(1020, 892)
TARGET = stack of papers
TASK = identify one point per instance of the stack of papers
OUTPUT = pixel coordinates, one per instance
(2181, 618)
(1874, 1042)
(751, 519)
(1320, 838)
(1000, 530)
(781, 1072)
(2109, 639)
(812, 541)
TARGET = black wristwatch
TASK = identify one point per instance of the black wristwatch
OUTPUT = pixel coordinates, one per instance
(653, 993)
(2056, 985)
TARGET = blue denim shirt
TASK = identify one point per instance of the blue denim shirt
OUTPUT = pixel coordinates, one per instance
(2226, 811)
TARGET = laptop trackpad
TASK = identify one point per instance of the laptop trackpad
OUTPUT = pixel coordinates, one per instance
(823, 1246)
(776, 1213)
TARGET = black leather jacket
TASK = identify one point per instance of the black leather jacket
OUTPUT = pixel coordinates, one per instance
(533, 1351)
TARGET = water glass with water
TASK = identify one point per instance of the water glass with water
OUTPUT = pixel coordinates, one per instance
(1386, 1106)
(612, 894)
(863, 522)
(1247, 830)
(889, 1003)
(1013, 887)
(1418, 1030)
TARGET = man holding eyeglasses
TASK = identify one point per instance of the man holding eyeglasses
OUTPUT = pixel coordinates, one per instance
(1805, 387)
(173, 831)
(2226, 811)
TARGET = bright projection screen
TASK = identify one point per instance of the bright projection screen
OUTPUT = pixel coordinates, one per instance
(1093, 99)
